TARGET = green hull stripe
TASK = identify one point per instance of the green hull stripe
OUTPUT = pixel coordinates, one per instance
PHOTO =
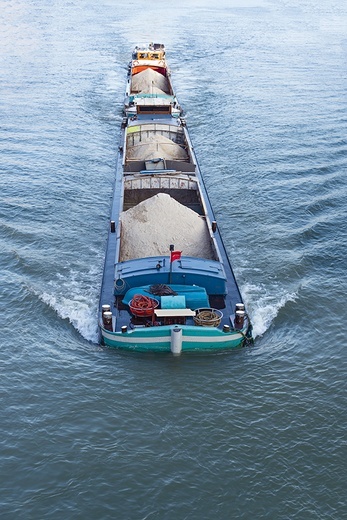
(156, 339)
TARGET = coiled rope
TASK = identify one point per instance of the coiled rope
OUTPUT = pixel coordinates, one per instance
(120, 285)
(142, 305)
(160, 289)
(208, 318)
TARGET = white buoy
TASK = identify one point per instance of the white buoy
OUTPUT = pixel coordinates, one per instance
(176, 341)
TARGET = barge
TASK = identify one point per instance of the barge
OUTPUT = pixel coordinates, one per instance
(168, 285)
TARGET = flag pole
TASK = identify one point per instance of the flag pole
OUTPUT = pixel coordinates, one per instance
(172, 248)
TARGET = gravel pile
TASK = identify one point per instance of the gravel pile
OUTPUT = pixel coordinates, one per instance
(155, 146)
(149, 228)
(147, 79)
(154, 90)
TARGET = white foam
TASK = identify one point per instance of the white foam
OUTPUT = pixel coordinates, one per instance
(75, 297)
(79, 313)
(263, 307)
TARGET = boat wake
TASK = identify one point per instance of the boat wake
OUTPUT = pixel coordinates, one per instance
(264, 307)
(71, 303)
(79, 313)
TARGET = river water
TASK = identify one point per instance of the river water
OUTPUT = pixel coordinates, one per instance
(89, 432)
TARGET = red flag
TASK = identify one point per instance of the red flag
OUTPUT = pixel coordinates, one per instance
(175, 255)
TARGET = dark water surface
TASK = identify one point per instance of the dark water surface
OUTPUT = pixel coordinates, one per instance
(88, 432)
